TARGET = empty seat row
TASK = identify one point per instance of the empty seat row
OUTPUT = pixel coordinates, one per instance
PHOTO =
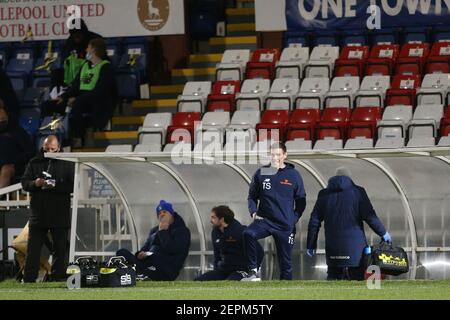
(288, 94)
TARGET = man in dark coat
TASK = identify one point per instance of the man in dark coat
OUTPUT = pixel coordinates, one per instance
(16, 149)
(162, 256)
(230, 261)
(343, 206)
(50, 183)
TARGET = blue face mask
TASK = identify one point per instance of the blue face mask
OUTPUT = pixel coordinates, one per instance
(89, 56)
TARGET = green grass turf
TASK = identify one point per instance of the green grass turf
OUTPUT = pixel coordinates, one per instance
(270, 290)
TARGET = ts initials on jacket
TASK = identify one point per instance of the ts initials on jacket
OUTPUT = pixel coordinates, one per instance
(281, 196)
(344, 207)
(49, 207)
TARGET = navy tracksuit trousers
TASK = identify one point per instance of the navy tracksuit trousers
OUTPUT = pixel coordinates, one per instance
(148, 267)
(284, 242)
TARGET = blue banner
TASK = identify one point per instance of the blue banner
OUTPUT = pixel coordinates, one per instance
(343, 14)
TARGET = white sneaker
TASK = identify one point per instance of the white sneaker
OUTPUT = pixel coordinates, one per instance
(251, 276)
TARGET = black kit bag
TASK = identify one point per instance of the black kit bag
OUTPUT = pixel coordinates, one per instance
(89, 270)
(117, 272)
(391, 260)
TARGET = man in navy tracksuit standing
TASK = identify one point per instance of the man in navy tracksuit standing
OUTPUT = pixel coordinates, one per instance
(343, 206)
(162, 256)
(279, 189)
(230, 261)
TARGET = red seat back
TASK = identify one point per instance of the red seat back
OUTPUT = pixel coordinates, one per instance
(226, 87)
(278, 117)
(185, 119)
(415, 50)
(366, 114)
(437, 67)
(384, 51)
(305, 116)
(440, 49)
(338, 115)
(402, 81)
(266, 55)
(354, 53)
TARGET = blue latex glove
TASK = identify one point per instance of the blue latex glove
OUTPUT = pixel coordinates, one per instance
(310, 252)
(387, 237)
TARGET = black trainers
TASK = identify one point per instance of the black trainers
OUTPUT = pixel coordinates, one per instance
(251, 276)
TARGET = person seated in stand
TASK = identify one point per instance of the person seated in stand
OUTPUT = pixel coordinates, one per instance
(91, 93)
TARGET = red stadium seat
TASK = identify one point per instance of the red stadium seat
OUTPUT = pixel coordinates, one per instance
(412, 58)
(351, 61)
(273, 120)
(262, 64)
(382, 59)
(363, 122)
(186, 121)
(333, 123)
(439, 59)
(403, 90)
(445, 124)
(223, 96)
(302, 124)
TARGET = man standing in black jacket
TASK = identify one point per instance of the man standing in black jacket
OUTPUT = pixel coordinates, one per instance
(50, 183)
(230, 261)
(162, 256)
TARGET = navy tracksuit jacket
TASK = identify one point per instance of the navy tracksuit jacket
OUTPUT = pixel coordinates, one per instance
(282, 200)
(170, 247)
(229, 254)
(343, 206)
(281, 196)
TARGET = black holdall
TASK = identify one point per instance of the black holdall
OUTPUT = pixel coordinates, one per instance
(89, 271)
(117, 272)
(391, 260)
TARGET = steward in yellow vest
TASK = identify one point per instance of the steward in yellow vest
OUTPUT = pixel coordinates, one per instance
(92, 95)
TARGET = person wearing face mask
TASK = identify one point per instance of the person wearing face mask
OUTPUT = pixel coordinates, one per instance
(16, 148)
(162, 256)
(91, 93)
(75, 50)
(276, 201)
(50, 183)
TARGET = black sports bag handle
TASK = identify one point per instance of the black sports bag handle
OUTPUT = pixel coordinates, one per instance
(122, 262)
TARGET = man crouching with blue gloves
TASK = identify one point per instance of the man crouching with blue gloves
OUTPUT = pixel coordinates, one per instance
(343, 206)
(167, 247)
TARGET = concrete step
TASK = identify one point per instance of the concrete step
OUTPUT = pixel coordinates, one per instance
(240, 15)
(127, 123)
(181, 76)
(143, 107)
(241, 29)
(103, 139)
(166, 92)
(204, 60)
(225, 43)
